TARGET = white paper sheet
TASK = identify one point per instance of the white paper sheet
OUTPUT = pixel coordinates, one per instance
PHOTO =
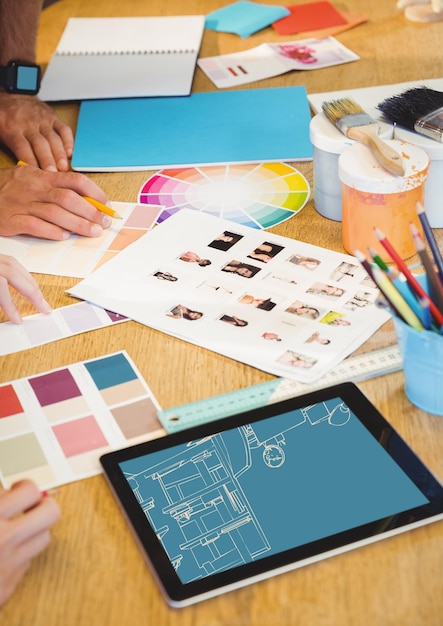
(255, 318)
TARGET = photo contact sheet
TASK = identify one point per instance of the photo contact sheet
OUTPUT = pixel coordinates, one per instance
(287, 307)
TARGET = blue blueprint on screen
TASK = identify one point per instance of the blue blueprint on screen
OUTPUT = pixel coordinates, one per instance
(259, 489)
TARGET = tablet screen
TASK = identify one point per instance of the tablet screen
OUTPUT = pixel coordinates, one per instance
(289, 479)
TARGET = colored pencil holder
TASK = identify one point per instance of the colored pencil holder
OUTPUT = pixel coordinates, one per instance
(422, 356)
(374, 198)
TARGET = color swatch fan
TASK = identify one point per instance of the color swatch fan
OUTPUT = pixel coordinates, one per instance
(258, 195)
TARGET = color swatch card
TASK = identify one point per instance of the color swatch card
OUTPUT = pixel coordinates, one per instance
(54, 426)
(259, 195)
(284, 306)
(79, 256)
(268, 60)
(243, 126)
(39, 329)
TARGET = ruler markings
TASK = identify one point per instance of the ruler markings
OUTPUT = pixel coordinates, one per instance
(352, 369)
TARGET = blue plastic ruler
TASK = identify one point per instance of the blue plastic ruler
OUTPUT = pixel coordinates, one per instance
(353, 369)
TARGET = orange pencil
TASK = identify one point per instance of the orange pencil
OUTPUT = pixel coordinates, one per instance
(103, 207)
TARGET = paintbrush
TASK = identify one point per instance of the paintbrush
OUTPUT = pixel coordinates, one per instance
(419, 109)
(355, 123)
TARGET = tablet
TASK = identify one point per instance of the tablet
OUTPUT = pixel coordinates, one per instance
(232, 502)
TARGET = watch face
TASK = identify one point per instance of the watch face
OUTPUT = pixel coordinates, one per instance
(23, 77)
(27, 78)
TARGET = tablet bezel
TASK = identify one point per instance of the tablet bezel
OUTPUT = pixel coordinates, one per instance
(178, 594)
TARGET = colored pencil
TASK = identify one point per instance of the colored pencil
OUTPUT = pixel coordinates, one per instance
(412, 281)
(396, 300)
(377, 259)
(382, 303)
(425, 315)
(433, 280)
(398, 281)
(364, 262)
(387, 305)
(431, 239)
(103, 207)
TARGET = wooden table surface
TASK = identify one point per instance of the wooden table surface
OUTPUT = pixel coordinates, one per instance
(93, 573)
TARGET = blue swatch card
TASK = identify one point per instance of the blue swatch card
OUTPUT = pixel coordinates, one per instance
(242, 126)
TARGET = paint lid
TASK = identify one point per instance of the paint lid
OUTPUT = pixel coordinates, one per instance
(325, 136)
(431, 146)
(358, 168)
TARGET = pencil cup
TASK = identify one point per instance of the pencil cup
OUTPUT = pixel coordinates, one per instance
(422, 356)
(374, 198)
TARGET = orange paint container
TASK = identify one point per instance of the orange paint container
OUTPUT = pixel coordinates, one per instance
(374, 198)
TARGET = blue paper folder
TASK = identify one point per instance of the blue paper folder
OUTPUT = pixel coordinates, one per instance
(241, 126)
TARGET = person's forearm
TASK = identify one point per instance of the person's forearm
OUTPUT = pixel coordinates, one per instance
(18, 29)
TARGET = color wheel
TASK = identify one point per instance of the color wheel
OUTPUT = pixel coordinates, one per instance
(258, 195)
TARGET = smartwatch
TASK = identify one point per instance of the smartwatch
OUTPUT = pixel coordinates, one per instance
(20, 77)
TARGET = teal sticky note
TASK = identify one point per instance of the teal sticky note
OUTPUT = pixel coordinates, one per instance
(244, 18)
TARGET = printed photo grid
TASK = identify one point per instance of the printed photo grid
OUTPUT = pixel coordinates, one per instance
(284, 306)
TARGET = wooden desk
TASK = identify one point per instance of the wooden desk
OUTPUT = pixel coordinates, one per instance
(93, 573)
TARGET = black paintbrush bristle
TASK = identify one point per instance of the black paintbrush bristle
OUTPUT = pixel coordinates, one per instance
(406, 108)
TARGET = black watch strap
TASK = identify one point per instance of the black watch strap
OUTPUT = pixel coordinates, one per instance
(3, 69)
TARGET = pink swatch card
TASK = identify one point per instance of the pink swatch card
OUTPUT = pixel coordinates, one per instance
(54, 426)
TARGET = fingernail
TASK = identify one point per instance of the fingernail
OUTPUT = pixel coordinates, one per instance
(50, 492)
(62, 164)
(106, 221)
(51, 168)
(96, 230)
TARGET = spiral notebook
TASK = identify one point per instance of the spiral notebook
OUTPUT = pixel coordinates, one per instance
(122, 57)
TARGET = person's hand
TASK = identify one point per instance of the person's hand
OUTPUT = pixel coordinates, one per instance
(31, 130)
(25, 519)
(49, 204)
(13, 274)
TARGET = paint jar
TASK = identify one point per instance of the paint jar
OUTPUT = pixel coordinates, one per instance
(328, 143)
(434, 182)
(374, 198)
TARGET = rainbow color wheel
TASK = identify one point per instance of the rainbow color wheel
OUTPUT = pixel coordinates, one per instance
(259, 195)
